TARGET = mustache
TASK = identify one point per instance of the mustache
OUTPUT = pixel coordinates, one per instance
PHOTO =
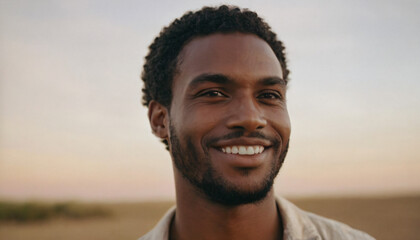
(237, 134)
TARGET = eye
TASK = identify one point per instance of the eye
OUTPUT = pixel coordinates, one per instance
(272, 95)
(211, 93)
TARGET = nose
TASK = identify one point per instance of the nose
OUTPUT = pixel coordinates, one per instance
(245, 114)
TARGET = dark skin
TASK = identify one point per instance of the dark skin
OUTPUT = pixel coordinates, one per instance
(226, 83)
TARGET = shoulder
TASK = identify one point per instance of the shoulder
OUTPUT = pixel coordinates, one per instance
(300, 224)
(161, 230)
(331, 229)
(146, 237)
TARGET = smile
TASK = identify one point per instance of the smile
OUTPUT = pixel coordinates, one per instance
(243, 150)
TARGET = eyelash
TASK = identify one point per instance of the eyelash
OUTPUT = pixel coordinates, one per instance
(274, 95)
(264, 95)
(210, 93)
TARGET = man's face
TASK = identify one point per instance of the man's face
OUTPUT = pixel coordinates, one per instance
(229, 125)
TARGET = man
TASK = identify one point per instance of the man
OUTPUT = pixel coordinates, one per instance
(215, 84)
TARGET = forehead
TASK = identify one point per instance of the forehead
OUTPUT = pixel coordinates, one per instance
(237, 55)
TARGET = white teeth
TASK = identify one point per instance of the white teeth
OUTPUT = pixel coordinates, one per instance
(243, 150)
(235, 150)
(256, 149)
(249, 150)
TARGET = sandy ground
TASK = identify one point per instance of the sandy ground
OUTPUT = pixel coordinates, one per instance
(383, 218)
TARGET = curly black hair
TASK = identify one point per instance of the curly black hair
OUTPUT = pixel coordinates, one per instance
(161, 62)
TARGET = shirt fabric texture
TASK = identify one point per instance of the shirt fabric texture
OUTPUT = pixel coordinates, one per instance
(297, 224)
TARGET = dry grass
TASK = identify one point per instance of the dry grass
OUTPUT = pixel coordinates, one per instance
(35, 211)
(383, 218)
(128, 221)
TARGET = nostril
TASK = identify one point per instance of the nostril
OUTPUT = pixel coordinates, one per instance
(237, 127)
(248, 124)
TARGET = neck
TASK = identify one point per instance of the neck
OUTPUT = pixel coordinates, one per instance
(199, 218)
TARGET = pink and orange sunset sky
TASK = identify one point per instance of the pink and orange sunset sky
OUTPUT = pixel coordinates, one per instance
(72, 126)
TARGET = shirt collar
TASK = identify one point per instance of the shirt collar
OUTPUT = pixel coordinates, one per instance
(296, 225)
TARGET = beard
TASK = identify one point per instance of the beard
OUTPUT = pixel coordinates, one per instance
(199, 171)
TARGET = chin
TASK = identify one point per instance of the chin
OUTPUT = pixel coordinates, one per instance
(224, 192)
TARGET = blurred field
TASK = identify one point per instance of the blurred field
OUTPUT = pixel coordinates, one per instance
(34, 211)
(383, 218)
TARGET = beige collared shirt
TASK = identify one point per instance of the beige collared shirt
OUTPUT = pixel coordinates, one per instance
(298, 225)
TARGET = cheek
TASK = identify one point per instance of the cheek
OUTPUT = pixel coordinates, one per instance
(281, 122)
(204, 115)
(195, 123)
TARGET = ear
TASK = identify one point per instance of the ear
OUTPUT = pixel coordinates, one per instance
(158, 118)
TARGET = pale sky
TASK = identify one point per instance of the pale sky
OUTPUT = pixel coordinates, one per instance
(72, 126)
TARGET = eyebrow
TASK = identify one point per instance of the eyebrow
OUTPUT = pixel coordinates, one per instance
(223, 79)
(269, 81)
(212, 78)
